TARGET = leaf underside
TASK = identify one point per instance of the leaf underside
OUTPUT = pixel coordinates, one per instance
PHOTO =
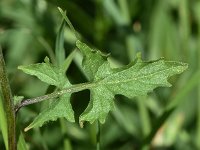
(136, 79)
(59, 108)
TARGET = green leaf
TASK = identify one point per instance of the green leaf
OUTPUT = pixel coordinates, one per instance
(142, 77)
(46, 72)
(136, 79)
(100, 104)
(60, 107)
(68, 61)
(21, 144)
(59, 49)
(92, 59)
(3, 122)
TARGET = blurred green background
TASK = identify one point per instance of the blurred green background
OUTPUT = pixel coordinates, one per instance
(168, 118)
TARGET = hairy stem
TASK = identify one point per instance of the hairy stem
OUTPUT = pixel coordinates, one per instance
(71, 89)
(8, 102)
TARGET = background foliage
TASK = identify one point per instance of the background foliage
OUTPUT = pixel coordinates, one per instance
(167, 118)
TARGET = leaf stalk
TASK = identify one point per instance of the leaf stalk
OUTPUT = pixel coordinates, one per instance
(71, 89)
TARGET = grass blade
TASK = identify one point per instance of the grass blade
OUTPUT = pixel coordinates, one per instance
(21, 145)
(3, 123)
(59, 50)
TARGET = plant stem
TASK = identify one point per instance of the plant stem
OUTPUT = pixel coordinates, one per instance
(71, 89)
(9, 105)
(98, 135)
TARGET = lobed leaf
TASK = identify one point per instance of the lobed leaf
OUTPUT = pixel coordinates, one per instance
(136, 79)
(46, 72)
(101, 102)
(142, 77)
(92, 59)
(59, 108)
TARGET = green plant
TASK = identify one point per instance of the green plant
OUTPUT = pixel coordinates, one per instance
(104, 82)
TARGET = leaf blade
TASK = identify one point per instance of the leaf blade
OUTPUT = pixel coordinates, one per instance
(99, 97)
(92, 59)
(136, 79)
(3, 122)
(143, 77)
(44, 71)
(60, 108)
(59, 47)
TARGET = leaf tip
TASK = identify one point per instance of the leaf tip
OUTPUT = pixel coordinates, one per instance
(185, 65)
(27, 128)
(20, 67)
(81, 123)
(60, 9)
(46, 60)
(182, 67)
